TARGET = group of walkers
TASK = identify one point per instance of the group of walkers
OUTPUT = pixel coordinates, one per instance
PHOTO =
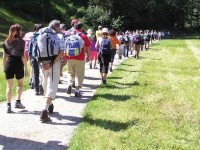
(50, 48)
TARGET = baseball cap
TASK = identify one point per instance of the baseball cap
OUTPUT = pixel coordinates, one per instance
(74, 21)
(105, 30)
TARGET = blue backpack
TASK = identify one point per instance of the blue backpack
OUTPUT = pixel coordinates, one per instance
(33, 47)
(74, 44)
(105, 47)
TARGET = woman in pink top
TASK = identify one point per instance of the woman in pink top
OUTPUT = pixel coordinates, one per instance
(93, 53)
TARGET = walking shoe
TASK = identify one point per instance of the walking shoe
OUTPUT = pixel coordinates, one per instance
(44, 116)
(19, 105)
(69, 89)
(41, 90)
(50, 109)
(78, 94)
(73, 84)
(9, 110)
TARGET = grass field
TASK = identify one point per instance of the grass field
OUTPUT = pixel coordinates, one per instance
(150, 103)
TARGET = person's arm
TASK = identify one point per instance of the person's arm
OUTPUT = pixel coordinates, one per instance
(97, 44)
(4, 60)
(24, 60)
(61, 53)
(88, 49)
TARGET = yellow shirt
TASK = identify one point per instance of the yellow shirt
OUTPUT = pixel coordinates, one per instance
(98, 34)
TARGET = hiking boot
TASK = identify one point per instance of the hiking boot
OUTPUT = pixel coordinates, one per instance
(19, 105)
(69, 89)
(9, 110)
(120, 57)
(73, 84)
(50, 109)
(44, 116)
(78, 94)
(41, 90)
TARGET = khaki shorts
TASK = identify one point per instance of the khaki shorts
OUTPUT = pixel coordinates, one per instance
(76, 71)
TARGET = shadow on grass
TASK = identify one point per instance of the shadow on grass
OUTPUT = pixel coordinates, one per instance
(112, 97)
(109, 77)
(125, 70)
(119, 85)
(110, 125)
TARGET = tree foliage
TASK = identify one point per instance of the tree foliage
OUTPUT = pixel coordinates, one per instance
(134, 14)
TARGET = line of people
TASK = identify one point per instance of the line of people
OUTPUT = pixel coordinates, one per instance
(50, 48)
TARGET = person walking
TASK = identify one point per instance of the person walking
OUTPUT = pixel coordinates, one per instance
(75, 54)
(114, 41)
(51, 47)
(14, 64)
(34, 61)
(104, 54)
(93, 53)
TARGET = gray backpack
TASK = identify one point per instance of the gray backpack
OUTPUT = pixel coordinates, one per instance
(48, 47)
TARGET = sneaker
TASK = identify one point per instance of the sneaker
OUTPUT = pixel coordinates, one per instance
(19, 105)
(41, 90)
(120, 57)
(78, 94)
(9, 110)
(69, 89)
(50, 109)
(73, 84)
(44, 116)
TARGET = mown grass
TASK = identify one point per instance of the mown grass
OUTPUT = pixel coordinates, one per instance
(150, 103)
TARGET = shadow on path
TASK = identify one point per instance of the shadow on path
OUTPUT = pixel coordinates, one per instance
(9, 143)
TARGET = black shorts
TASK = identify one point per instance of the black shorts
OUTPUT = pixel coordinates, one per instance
(113, 52)
(13, 69)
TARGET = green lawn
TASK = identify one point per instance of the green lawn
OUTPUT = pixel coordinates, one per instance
(150, 103)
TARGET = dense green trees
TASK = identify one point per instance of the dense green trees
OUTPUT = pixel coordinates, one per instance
(129, 14)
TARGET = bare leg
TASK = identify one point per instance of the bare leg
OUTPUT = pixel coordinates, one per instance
(9, 90)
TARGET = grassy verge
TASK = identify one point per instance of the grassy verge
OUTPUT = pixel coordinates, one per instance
(150, 103)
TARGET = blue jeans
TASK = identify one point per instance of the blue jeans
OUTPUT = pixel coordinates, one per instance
(35, 68)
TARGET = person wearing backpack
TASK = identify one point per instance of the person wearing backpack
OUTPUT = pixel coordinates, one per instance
(77, 45)
(114, 41)
(137, 41)
(51, 47)
(122, 44)
(32, 51)
(14, 64)
(127, 43)
(104, 54)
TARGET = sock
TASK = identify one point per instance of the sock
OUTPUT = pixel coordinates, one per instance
(77, 91)
(46, 107)
(18, 101)
(9, 104)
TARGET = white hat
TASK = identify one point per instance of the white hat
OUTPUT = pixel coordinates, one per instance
(105, 30)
